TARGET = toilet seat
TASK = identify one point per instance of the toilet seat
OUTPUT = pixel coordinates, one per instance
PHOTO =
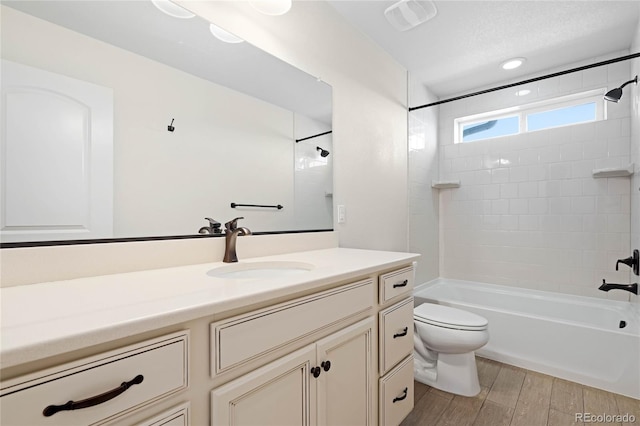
(448, 317)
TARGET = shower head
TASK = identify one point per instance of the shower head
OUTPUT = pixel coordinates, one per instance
(323, 152)
(614, 95)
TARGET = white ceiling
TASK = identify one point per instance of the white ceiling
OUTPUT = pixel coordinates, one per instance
(187, 44)
(462, 47)
(459, 50)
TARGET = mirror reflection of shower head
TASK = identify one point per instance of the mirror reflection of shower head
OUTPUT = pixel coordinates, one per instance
(614, 95)
(323, 152)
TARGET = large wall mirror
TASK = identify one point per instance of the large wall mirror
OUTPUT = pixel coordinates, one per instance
(122, 121)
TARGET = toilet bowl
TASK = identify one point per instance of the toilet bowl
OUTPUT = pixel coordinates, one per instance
(445, 339)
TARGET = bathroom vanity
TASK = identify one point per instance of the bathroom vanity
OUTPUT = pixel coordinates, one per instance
(319, 337)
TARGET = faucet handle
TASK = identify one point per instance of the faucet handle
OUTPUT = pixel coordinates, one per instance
(626, 261)
(214, 225)
(633, 262)
(232, 225)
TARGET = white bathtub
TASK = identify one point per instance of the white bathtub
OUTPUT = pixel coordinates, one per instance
(572, 337)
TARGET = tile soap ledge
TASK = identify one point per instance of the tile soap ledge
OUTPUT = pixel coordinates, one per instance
(445, 184)
(614, 172)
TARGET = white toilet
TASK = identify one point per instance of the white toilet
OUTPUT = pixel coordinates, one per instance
(444, 341)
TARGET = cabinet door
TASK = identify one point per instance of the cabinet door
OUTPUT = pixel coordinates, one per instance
(345, 387)
(279, 394)
(177, 416)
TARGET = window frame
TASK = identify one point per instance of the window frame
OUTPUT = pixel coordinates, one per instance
(523, 111)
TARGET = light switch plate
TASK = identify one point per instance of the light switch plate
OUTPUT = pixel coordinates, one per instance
(342, 213)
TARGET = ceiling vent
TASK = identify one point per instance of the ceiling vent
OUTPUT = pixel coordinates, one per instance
(407, 14)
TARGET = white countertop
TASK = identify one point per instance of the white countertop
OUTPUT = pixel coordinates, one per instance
(47, 319)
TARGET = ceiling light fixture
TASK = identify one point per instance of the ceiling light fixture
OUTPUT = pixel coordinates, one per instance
(223, 35)
(271, 7)
(512, 64)
(172, 9)
(407, 14)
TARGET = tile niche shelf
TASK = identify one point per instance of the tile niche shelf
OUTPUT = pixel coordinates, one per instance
(614, 172)
(445, 184)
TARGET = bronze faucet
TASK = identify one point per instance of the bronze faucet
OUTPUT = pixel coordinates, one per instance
(231, 234)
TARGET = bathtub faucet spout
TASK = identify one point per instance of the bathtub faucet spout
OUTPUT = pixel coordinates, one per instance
(632, 288)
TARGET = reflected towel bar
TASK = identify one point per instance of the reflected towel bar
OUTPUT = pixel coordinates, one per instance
(234, 205)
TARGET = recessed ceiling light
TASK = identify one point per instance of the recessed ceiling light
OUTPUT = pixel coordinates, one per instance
(523, 92)
(172, 9)
(512, 63)
(271, 7)
(223, 35)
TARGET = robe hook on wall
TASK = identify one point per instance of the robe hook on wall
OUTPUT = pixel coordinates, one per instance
(170, 126)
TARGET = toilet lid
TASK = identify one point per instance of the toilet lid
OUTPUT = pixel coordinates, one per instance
(446, 316)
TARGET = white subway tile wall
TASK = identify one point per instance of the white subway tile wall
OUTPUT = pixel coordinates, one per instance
(529, 212)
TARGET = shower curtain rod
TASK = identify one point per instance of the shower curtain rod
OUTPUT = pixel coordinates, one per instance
(314, 136)
(531, 80)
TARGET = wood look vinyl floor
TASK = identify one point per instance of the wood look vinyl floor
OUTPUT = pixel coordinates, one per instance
(512, 396)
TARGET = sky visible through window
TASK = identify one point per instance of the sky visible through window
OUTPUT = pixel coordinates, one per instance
(503, 127)
(561, 117)
(535, 121)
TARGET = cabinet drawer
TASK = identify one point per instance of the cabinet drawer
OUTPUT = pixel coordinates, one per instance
(245, 337)
(396, 334)
(162, 363)
(396, 393)
(396, 283)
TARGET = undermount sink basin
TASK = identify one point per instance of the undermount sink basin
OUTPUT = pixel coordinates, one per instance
(257, 270)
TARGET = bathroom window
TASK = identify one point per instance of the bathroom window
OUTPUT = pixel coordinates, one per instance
(485, 129)
(567, 110)
(562, 116)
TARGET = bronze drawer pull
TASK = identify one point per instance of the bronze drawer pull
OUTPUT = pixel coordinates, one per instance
(400, 398)
(404, 333)
(402, 284)
(94, 400)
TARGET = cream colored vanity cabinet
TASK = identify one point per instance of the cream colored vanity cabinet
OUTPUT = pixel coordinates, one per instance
(177, 416)
(99, 389)
(328, 382)
(395, 346)
(325, 383)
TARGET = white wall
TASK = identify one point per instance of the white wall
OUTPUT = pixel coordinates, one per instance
(633, 91)
(369, 109)
(528, 212)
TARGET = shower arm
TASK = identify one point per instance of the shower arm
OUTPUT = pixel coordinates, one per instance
(635, 80)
